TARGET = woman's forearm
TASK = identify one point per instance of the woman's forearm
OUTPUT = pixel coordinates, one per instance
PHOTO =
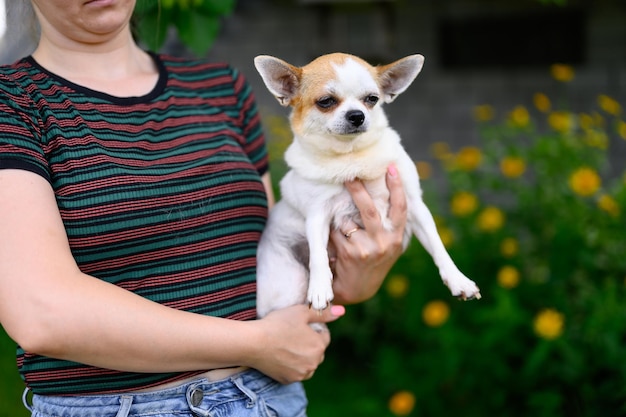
(51, 308)
(86, 320)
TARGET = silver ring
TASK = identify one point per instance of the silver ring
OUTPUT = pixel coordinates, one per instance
(348, 234)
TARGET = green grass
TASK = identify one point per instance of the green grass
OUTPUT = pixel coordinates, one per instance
(11, 385)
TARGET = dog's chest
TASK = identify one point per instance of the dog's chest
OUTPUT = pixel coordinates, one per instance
(343, 209)
(366, 158)
(378, 192)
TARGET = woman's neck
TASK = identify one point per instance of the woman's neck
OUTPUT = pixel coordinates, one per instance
(118, 67)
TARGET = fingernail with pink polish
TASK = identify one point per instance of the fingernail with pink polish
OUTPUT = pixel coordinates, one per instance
(337, 311)
(393, 171)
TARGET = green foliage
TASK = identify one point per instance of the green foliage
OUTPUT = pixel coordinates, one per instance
(196, 21)
(535, 215)
(11, 386)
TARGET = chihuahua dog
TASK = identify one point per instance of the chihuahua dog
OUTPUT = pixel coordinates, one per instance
(341, 133)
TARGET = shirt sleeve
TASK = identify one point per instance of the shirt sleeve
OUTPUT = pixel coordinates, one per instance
(20, 134)
(254, 145)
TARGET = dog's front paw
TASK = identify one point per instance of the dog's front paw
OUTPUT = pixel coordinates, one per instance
(320, 292)
(461, 286)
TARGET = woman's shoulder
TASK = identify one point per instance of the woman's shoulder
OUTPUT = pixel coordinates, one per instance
(14, 79)
(194, 65)
(202, 75)
(11, 73)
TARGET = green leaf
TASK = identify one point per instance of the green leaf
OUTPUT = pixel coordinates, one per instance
(197, 31)
(151, 27)
(197, 22)
(145, 6)
(214, 7)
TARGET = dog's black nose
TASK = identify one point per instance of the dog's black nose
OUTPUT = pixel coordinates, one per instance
(355, 117)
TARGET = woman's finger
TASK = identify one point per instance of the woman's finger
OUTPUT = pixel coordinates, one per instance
(397, 198)
(363, 201)
(327, 315)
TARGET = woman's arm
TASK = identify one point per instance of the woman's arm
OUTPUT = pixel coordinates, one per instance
(51, 308)
(362, 263)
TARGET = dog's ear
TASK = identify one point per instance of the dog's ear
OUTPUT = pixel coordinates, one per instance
(396, 77)
(280, 77)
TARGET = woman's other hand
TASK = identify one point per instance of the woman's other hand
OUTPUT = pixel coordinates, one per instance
(290, 349)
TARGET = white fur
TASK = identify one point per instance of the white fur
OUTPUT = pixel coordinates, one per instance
(321, 158)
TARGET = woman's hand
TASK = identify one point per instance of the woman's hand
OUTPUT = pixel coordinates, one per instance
(290, 350)
(362, 262)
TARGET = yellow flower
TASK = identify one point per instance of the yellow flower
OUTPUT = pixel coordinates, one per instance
(598, 120)
(519, 116)
(446, 235)
(562, 72)
(585, 181)
(468, 158)
(597, 139)
(397, 285)
(548, 324)
(490, 219)
(508, 277)
(586, 121)
(608, 204)
(278, 126)
(441, 150)
(542, 102)
(463, 203)
(423, 169)
(483, 113)
(402, 403)
(512, 166)
(279, 137)
(439, 221)
(560, 121)
(609, 105)
(435, 313)
(621, 129)
(509, 247)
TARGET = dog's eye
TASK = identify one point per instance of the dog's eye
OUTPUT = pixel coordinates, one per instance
(371, 100)
(326, 102)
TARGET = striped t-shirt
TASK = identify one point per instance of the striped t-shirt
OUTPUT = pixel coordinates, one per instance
(159, 194)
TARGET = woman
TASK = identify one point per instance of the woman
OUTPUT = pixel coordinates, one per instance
(133, 191)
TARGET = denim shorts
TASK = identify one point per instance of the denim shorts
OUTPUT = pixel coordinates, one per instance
(249, 393)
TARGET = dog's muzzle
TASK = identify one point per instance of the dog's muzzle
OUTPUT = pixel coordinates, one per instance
(355, 117)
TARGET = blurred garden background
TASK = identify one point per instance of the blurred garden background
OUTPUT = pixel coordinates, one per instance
(517, 125)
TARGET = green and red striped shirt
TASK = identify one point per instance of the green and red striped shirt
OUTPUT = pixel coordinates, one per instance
(159, 194)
